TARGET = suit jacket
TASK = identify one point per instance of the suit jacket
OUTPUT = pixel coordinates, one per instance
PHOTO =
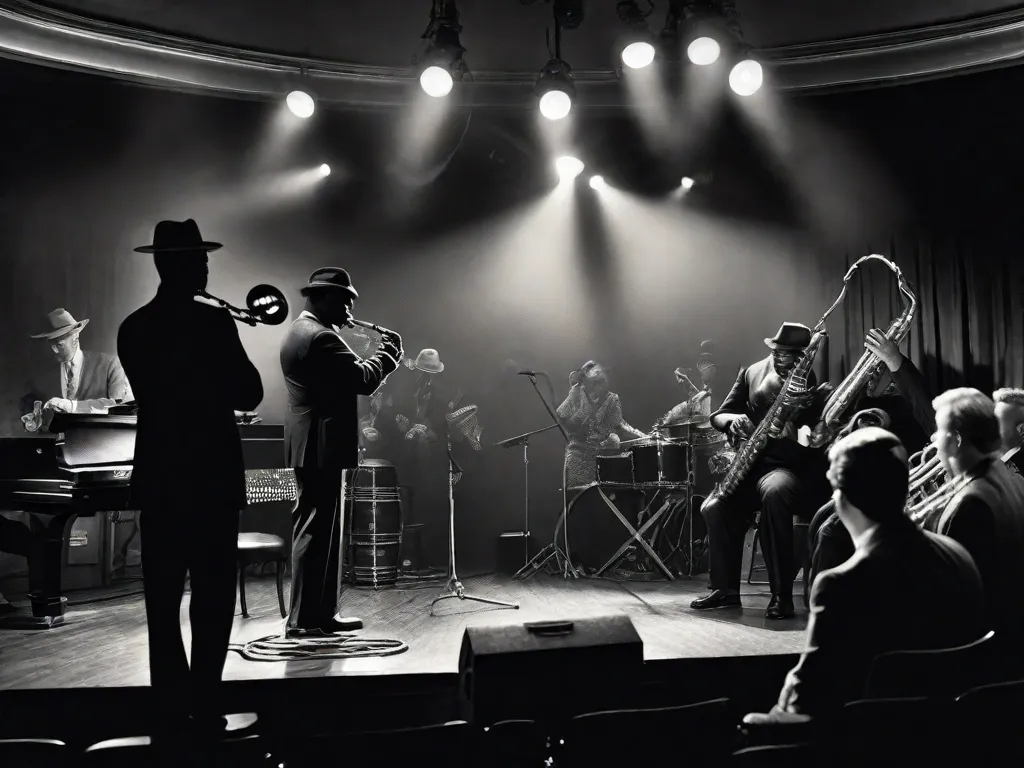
(987, 517)
(752, 395)
(190, 374)
(324, 378)
(102, 383)
(903, 589)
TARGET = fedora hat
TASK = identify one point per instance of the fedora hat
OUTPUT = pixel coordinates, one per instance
(428, 361)
(329, 278)
(63, 323)
(790, 336)
(171, 236)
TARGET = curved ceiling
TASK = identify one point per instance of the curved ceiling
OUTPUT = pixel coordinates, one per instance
(360, 51)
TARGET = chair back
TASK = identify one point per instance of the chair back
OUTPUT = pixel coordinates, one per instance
(775, 756)
(894, 731)
(937, 672)
(622, 736)
(991, 715)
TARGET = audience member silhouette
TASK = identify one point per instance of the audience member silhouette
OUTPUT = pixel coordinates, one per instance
(903, 588)
(189, 373)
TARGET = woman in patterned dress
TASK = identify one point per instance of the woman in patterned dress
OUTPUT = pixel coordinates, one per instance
(592, 415)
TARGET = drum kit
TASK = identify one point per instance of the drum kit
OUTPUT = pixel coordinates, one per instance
(653, 487)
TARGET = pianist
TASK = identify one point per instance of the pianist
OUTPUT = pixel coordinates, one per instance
(87, 382)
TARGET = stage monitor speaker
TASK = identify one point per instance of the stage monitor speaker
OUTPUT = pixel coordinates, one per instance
(548, 670)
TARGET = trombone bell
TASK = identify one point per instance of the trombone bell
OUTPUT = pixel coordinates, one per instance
(267, 305)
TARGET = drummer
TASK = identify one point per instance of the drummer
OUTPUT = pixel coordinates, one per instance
(592, 415)
(697, 409)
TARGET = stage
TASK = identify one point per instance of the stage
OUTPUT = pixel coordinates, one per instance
(103, 644)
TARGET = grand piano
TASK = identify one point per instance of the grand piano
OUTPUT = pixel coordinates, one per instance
(83, 467)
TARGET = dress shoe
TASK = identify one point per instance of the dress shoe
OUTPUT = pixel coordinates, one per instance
(718, 598)
(780, 608)
(342, 624)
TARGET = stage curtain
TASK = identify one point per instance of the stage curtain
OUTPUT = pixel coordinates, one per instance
(968, 329)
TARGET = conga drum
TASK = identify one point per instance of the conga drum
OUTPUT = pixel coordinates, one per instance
(373, 524)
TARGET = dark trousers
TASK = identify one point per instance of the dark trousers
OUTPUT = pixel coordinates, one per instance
(201, 541)
(316, 549)
(779, 494)
(830, 542)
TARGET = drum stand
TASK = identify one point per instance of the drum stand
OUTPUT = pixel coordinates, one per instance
(453, 587)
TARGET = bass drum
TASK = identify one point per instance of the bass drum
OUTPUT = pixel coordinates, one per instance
(595, 533)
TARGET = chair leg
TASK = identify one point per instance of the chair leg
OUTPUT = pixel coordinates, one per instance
(753, 556)
(241, 590)
(280, 587)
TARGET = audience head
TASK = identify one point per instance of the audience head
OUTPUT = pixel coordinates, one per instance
(967, 429)
(869, 474)
(1010, 414)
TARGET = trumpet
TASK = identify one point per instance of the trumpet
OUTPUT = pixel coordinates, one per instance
(384, 332)
(266, 305)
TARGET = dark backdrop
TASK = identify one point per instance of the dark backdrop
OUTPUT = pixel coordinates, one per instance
(480, 265)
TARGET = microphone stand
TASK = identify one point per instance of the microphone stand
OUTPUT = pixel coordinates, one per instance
(524, 440)
(453, 587)
(551, 550)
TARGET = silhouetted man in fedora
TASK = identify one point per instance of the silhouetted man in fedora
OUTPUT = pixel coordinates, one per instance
(88, 382)
(324, 378)
(788, 478)
(190, 374)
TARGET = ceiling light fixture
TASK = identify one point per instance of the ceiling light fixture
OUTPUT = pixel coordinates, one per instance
(639, 50)
(555, 89)
(441, 64)
(301, 104)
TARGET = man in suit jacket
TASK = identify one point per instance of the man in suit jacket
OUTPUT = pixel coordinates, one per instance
(88, 382)
(903, 589)
(986, 514)
(190, 374)
(787, 479)
(324, 378)
(829, 541)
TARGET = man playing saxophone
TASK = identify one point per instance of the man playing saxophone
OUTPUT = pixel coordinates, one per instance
(985, 507)
(788, 478)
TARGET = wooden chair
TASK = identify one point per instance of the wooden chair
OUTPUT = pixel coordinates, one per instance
(261, 548)
(945, 672)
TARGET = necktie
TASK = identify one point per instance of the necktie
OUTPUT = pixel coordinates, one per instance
(70, 379)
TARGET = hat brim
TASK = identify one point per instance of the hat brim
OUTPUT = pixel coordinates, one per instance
(203, 246)
(439, 369)
(775, 345)
(308, 289)
(56, 334)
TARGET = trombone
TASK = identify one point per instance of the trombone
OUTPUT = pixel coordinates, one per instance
(266, 305)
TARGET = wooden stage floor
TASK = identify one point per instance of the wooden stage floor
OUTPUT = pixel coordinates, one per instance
(104, 643)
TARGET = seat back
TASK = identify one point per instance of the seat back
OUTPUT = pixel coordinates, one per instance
(449, 744)
(620, 737)
(991, 715)
(775, 756)
(893, 731)
(45, 753)
(943, 672)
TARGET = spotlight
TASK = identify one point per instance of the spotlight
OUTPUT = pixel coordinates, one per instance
(568, 167)
(555, 90)
(325, 170)
(301, 104)
(441, 64)
(638, 55)
(703, 51)
(597, 182)
(436, 81)
(687, 182)
(746, 78)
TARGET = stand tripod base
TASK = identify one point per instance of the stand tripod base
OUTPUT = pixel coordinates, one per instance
(542, 558)
(454, 589)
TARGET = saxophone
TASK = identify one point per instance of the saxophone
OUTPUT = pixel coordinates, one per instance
(868, 370)
(778, 416)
